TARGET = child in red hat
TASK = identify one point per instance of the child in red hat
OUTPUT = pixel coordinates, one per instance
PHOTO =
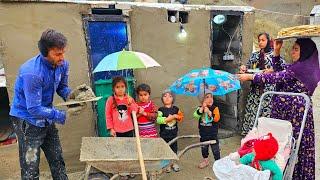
(262, 157)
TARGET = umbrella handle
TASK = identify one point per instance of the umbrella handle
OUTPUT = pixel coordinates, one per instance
(204, 86)
(207, 118)
(136, 130)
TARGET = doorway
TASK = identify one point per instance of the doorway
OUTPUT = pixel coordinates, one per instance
(226, 54)
(106, 32)
(7, 135)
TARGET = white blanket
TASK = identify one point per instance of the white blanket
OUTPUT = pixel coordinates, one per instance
(226, 169)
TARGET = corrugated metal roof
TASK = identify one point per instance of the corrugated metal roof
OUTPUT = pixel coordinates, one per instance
(146, 4)
(315, 10)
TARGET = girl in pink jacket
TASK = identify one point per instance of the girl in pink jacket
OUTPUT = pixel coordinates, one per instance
(119, 107)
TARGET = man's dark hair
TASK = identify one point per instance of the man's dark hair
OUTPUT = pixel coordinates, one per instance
(51, 39)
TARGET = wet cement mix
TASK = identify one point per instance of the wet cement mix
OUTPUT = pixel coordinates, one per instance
(84, 92)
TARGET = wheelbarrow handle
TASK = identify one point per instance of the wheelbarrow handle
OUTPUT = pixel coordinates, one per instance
(194, 146)
(182, 137)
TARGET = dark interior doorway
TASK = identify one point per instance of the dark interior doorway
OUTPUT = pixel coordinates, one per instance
(106, 32)
(7, 135)
(226, 53)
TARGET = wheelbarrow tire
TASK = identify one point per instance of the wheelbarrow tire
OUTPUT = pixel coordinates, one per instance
(153, 176)
(99, 176)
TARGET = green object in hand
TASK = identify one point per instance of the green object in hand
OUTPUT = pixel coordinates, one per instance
(207, 119)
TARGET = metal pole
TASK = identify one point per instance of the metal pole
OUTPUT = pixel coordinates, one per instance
(307, 107)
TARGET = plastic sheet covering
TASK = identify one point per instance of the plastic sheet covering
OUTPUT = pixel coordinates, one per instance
(106, 38)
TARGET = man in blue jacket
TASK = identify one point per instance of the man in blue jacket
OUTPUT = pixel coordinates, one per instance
(33, 114)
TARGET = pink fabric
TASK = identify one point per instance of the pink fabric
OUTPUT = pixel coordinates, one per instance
(147, 128)
(253, 134)
(151, 109)
(148, 132)
(246, 148)
(119, 119)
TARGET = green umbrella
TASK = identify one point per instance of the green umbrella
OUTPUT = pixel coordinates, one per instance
(125, 60)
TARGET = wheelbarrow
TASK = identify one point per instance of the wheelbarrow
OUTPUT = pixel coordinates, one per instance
(118, 155)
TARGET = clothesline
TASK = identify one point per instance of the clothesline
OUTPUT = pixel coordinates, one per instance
(287, 14)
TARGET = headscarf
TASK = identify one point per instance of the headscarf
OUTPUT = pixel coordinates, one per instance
(261, 60)
(265, 149)
(268, 48)
(307, 68)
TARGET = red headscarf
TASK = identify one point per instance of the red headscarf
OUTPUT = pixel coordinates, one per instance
(265, 149)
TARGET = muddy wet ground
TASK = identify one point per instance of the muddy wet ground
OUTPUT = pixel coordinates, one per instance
(188, 163)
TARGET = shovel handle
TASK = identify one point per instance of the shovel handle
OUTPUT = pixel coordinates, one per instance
(136, 130)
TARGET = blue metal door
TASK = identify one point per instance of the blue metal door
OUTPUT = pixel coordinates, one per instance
(105, 38)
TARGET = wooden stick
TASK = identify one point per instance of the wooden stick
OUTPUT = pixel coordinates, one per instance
(136, 130)
(87, 171)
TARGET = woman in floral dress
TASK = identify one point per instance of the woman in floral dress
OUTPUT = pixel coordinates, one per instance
(300, 77)
(262, 60)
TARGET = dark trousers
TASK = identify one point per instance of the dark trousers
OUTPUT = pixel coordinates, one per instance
(30, 139)
(214, 147)
(173, 146)
(126, 134)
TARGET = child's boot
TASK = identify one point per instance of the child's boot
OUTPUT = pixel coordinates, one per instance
(216, 155)
(216, 151)
(204, 163)
(168, 168)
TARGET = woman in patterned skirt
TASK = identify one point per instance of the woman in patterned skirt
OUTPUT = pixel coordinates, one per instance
(300, 77)
(262, 60)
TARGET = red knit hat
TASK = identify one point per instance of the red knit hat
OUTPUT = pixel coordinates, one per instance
(265, 148)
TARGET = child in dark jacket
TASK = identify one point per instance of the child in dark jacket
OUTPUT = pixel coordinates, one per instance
(168, 118)
(208, 116)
